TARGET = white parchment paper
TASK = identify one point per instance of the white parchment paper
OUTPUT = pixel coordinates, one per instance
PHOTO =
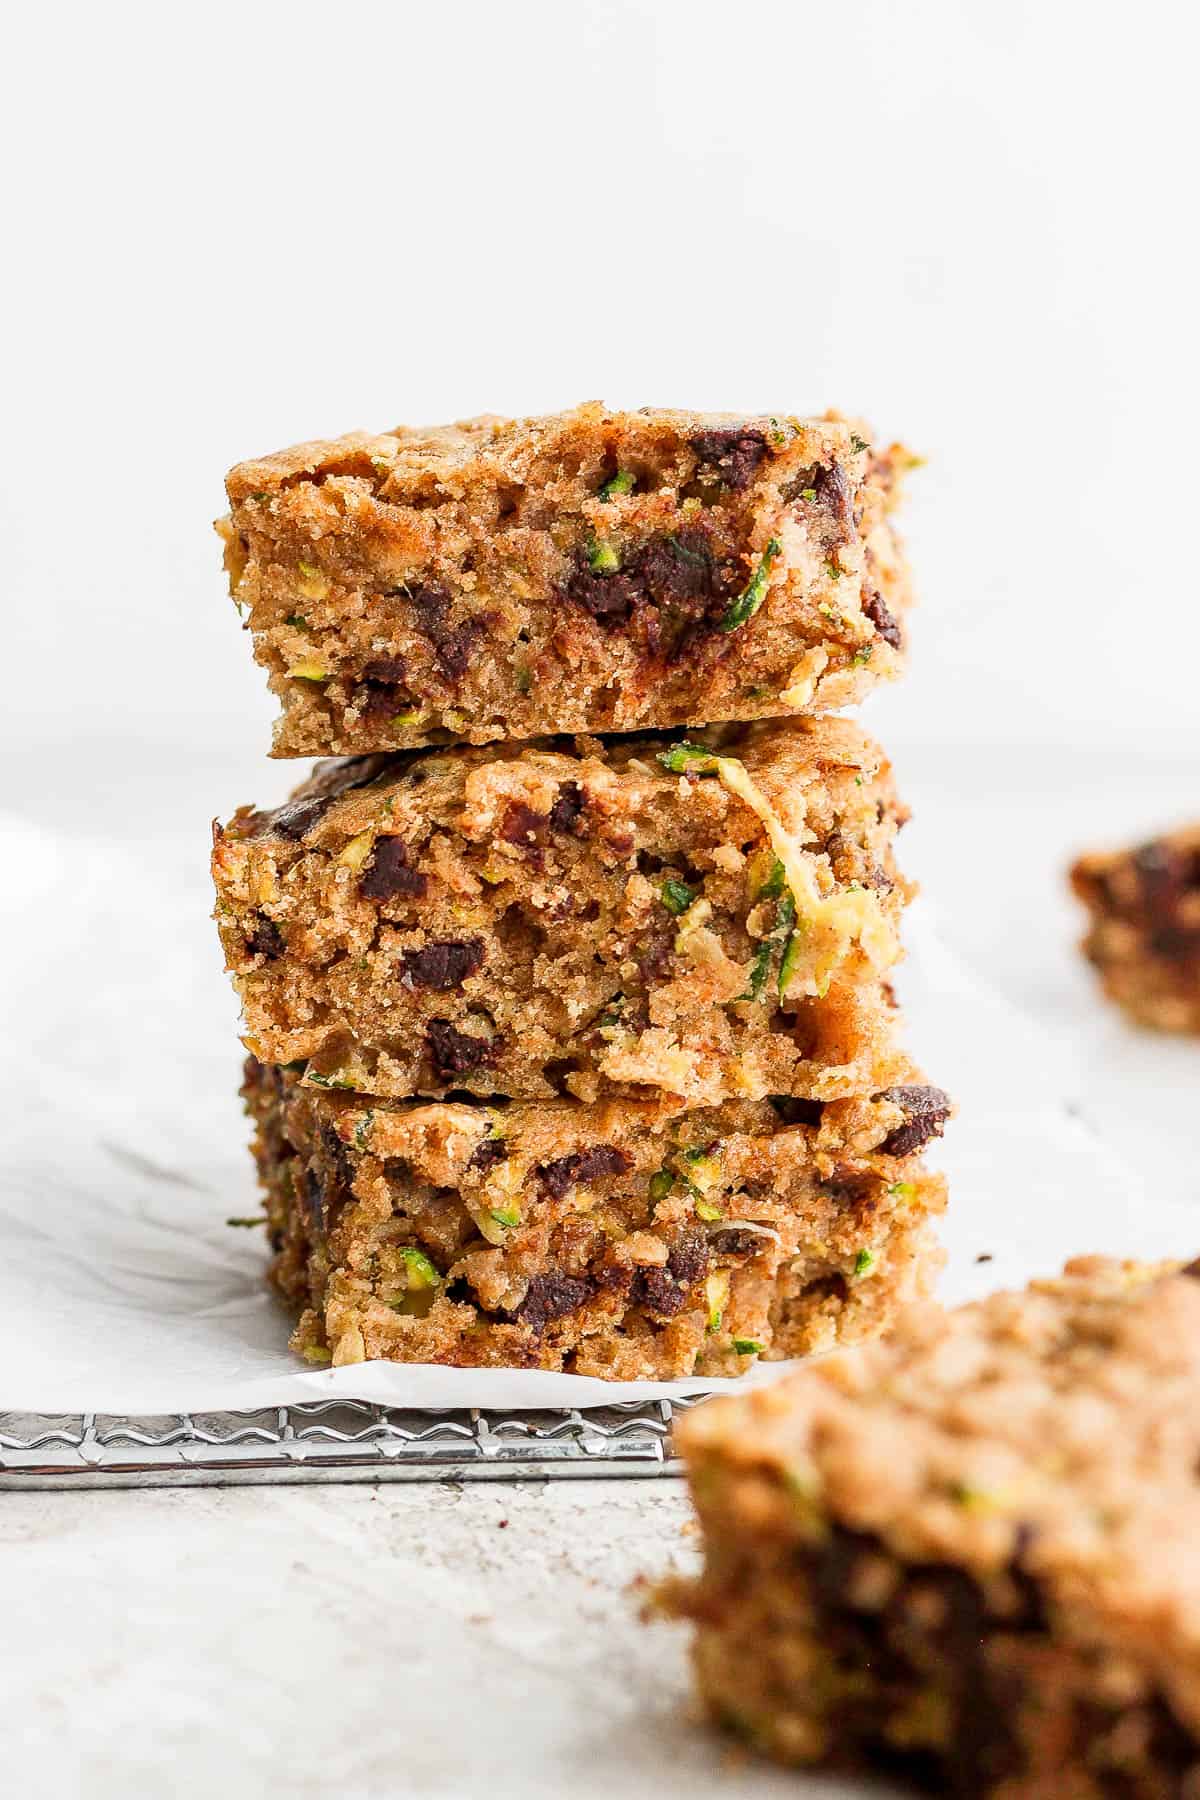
(123, 1290)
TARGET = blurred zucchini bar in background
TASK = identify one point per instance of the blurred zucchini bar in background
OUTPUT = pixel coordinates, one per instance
(619, 1239)
(965, 1558)
(1143, 936)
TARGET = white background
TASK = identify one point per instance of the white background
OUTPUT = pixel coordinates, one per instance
(234, 226)
(231, 226)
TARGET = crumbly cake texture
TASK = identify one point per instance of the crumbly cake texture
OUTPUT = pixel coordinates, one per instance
(618, 1240)
(969, 1556)
(1143, 937)
(593, 571)
(710, 919)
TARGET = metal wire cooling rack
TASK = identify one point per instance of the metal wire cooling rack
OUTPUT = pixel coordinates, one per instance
(334, 1440)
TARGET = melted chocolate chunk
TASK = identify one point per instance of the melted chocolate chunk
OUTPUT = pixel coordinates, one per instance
(453, 645)
(827, 486)
(552, 1296)
(388, 670)
(559, 1177)
(567, 808)
(488, 1153)
(297, 818)
(847, 1185)
(390, 873)
(1175, 943)
(667, 1291)
(927, 1109)
(332, 780)
(522, 825)
(453, 1052)
(655, 951)
(875, 607)
(833, 491)
(670, 593)
(264, 938)
(933, 1635)
(443, 965)
(380, 690)
(731, 455)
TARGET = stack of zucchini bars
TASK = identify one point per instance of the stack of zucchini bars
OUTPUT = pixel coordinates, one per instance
(566, 984)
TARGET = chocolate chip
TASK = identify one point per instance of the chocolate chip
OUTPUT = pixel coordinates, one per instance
(688, 1261)
(380, 690)
(833, 491)
(1174, 943)
(875, 607)
(389, 670)
(453, 645)
(443, 965)
(732, 455)
(522, 825)
(329, 781)
(669, 593)
(667, 1291)
(489, 1152)
(568, 806)
(264, 938)
(926, 1110)
(559, 1177)
(390, 873)
(453, 1052)
(655, 950)
(297, 818)
(1192, 1269)
(846, 1185)
(552, 1296)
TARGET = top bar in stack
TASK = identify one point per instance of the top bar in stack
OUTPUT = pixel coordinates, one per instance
(593, 571)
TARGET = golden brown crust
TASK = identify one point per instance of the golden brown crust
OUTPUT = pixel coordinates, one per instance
(593, 571)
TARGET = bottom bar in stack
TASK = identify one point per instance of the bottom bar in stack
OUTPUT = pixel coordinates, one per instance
(967, 1557)
(620, 1239)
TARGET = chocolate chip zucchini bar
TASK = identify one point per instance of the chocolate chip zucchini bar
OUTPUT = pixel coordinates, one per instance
(594, 571)
(619, 1240)
(1143, 937)
(710, 919)
(967, 1557)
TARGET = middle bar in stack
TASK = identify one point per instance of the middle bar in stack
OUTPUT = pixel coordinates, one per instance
(670, 957)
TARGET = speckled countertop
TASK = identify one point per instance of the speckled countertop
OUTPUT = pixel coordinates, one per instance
(426, 1640)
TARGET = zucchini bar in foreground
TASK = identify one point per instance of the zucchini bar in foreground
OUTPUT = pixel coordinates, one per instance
(618, 1240)
(1143, 937)
(968, 1557)
(708, 920)
(593, 571)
